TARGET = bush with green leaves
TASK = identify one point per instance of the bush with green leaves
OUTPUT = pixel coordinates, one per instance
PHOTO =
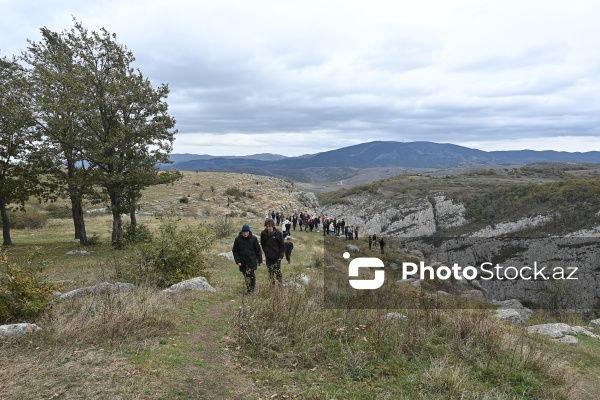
(56, 211)
(138, 233)
(23, 296)
(27, 220)
(235, 192)
(177, 253)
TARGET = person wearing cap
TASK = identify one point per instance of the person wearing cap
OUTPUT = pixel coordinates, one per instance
(271, 241)
(248, 256)
(289, 246)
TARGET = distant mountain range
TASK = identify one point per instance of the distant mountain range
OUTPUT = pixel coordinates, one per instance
(379, 154)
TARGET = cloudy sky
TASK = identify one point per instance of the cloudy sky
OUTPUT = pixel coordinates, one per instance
(297, 77)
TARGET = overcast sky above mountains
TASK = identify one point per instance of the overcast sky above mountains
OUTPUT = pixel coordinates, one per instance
(293, 78)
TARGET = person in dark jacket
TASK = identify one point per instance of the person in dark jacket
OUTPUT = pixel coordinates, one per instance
(381, 244)
(289, 246)
(247, 256)
(271, 241)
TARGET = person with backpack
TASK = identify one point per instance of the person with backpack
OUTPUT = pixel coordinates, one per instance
(248, 256)
(271, 241)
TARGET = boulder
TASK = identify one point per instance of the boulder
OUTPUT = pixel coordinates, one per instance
(199, 283)
(228, 255)
(394, 316)
(16, 330)
(78, 252)
(512, 310)
(299, 281)
(579, 330)
(568, 339)
(560, 332)
(595, 323)
(555, 330)
(99, 288)
(352, 248)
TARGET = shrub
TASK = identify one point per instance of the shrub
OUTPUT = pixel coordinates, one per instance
(176, 255)
(223, 226)
(27, 220)
(56, 211)
(94, 240)
(184, 200)
(22, 295)
(139, 233)
(235, 192)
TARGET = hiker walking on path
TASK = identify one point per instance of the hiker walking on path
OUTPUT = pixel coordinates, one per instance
(248, 256)
(289, 246)
(271, 241)
(381, 244)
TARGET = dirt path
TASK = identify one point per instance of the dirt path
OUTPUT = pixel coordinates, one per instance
(214, 372)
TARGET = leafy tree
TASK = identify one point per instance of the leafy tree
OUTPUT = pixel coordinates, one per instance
(18, 178)
(108, 114)
(58, 94)
(150, 175)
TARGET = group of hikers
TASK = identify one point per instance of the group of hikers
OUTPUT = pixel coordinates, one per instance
(248, 248)
(247, 253)
(306, 222)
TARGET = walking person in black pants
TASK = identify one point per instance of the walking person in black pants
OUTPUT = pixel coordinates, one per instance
(248, 256)
(271, 241)
(289, 246)
(381, 244)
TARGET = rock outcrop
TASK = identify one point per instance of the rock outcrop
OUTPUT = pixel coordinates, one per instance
(200, 283)
(512, 310)
(561, 332)
(16, 330)
(99, 288)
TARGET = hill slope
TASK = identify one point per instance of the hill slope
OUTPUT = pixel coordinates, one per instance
(380, 154)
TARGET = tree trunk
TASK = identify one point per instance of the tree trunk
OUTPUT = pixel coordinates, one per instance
(133, 219)
(78, 222)
(117, 228)
(5, 224)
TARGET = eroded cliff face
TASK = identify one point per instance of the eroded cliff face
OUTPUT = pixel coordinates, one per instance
(575, 254)
(419, 217)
